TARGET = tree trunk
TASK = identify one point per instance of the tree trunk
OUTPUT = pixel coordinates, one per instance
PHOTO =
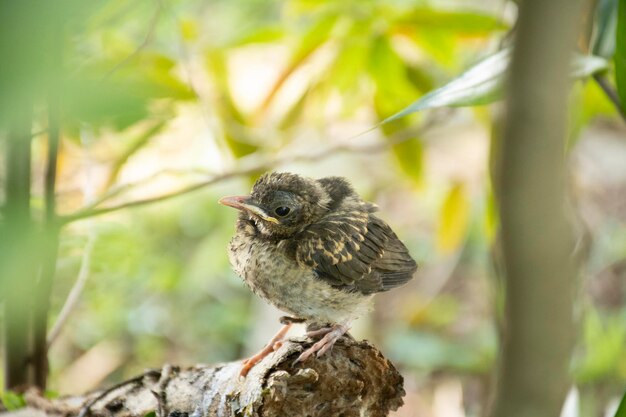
(537, 243)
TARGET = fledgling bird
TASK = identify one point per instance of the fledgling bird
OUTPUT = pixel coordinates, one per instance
(314, 249)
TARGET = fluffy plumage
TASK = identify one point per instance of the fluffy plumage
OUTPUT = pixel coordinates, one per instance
(330, 246)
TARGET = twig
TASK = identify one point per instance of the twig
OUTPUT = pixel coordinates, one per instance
(83, 272)
(75, 292)
(343, 146)
(610, 92)
(142, 45)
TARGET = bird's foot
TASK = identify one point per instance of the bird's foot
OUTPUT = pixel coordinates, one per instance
(274, 344)
(330, 336)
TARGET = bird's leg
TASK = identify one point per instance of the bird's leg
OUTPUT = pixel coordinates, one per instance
(330, 336)
(271, 346)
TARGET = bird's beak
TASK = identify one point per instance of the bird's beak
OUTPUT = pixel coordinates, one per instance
(244, 202)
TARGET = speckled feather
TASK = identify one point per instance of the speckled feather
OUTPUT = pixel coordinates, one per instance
(325, 263)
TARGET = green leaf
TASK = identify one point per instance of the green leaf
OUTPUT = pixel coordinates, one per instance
(621, 409)
(150, 414)
(467, 22)
(12, 401)
(482, 83)
(620, 53)
(606, 24)
(390, 74)
(453, 219)
(316, 35)
(119, 92)
(263, 34)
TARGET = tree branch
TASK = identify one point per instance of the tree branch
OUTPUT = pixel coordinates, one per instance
(339, 147)
(353, 379)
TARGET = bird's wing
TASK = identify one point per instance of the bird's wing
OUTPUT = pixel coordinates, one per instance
(355, 251)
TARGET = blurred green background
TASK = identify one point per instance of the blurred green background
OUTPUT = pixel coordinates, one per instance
(155, 96)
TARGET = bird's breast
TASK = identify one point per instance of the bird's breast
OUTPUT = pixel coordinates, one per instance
(289, 286)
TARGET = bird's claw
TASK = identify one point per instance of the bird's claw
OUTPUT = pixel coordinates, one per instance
(272, 346)
(319, 348)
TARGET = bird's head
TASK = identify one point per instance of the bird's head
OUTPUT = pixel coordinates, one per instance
(281, 204)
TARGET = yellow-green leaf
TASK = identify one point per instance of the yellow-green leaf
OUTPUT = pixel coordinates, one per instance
(12, 401)
(454, 219)
(409, 155)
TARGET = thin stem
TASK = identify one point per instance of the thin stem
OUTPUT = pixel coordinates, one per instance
(16, 240)
(74, 296)
(50, 241)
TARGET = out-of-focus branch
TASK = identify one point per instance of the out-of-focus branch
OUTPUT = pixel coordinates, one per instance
(146, 41)
(253, 167)
(75, 292)
(537, 239)
(49, 243)
(83, 273)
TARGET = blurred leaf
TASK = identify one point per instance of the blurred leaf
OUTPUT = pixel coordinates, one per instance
(428, 351)
(439, 45)
(233, 122)
(453, 219)
(123, 97)
(136, 145)
(262, 34)
(315, 36)
(188, 29)
(571, 407)
(606, 24)
(467, 22)
(620, 53)
(410, 156)
(50, 394)
(481, 84)
(390, 75)
(621, 409)
(604, 348)
(346, 69)
(12, 401)
(441, 311)
(150, 414)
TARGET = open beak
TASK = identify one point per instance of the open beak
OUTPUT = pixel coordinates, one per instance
(244, 202)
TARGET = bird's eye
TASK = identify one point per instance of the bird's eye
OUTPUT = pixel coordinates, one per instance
(282, 211)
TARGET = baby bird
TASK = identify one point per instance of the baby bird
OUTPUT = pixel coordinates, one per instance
(314, 249)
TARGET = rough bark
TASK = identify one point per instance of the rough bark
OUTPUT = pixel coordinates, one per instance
(354, 379)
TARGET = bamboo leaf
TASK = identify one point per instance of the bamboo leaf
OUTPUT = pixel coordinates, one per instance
(621, 409)
(620, 52)
(468, 22)
(482, 83)
(606, 24)
(12, 401)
